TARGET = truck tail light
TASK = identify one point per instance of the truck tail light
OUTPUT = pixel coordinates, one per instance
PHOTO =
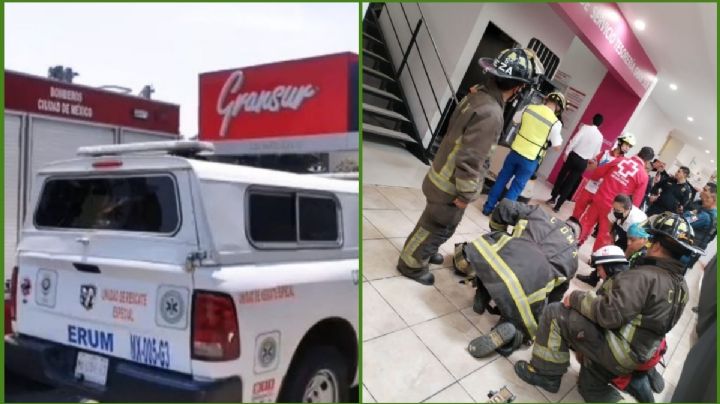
(215, 331)
(13, 295)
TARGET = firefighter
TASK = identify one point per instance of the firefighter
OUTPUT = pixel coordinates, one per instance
(538, 125)
(457, 173)
(620, 328)
(519, 272)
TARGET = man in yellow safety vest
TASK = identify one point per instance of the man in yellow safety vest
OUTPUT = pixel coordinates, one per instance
(538, 124)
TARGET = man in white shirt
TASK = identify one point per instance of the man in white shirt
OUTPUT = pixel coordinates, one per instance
(622, 215)
(585, 145)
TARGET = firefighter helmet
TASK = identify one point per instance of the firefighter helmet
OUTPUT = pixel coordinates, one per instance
(574, 225)
(558, 98)
(461, 263)
(673, 232)
(516, 64)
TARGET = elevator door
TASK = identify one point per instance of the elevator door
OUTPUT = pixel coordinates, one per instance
(493, 41)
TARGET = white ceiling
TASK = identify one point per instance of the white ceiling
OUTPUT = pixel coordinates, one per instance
(681, 41)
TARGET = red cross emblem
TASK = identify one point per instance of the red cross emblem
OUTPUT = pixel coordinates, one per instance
(628, 168)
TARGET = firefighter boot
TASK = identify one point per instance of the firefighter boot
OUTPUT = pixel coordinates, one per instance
(482, 298)
(422, 275)
(639, 388)
(527, 372)
(437, 259)
(507, 349)
(591, 279)
(657, 383)
(502, 334)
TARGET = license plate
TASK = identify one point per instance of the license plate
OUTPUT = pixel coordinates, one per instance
(91, 368)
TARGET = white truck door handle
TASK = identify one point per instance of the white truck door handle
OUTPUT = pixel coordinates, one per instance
(83, 240)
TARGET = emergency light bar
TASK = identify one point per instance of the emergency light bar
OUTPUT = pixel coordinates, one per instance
(177, 147)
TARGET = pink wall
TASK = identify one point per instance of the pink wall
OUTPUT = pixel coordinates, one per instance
(606, 32)
(616, 103)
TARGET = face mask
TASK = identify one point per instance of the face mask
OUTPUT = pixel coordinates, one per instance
(618, 215)
(513, 97)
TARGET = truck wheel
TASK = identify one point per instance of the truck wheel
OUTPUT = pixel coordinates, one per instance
(320, 375)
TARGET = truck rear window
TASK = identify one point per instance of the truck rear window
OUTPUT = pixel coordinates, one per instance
(138, 203)
(288, 219)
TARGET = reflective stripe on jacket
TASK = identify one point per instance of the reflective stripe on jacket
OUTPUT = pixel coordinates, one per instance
(521, 270)
(473, 131)
(637, 308)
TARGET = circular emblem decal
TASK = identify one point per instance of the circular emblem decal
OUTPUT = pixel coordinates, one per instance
(172, 306)
(45, 285)
(268, 351)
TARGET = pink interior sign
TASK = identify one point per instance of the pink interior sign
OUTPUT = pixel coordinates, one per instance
(603, 28)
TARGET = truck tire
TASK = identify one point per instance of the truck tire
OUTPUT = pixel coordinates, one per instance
(319, 375)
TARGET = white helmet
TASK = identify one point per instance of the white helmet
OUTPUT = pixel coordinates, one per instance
(607, 255)
(628, 138)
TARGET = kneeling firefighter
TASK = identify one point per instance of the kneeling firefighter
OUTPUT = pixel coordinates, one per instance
(519, 272)
(618, 331)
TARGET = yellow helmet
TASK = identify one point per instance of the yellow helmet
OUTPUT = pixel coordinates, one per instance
(558, 98)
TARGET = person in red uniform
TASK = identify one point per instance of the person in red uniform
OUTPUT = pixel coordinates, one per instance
(624, 175)
(586, 195)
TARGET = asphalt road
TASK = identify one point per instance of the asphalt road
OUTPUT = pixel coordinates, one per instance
(19, 389)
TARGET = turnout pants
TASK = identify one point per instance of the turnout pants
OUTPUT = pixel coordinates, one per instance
(436, 225)
(561, 329)
(570, 174)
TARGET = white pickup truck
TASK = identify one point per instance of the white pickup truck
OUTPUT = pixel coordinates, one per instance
(148, 274)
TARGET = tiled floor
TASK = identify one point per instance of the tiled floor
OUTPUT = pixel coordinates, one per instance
(390, 164)
(414, 336)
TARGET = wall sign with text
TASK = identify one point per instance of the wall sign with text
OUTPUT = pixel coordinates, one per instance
(39, 95)
(303, 97)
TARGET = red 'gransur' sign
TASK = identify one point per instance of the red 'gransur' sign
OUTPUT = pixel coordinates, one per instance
(43, 96)
(295, 98)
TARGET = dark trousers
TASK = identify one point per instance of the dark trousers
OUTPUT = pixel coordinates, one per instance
(567, 180)
(656, 209)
